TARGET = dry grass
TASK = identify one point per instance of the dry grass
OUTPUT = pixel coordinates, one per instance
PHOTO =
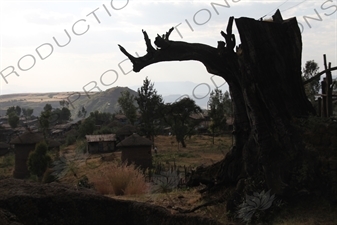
(7, 165)
(200, 150)
(112, 179)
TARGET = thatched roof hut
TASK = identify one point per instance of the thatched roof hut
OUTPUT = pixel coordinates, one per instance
(27, 138)
(24, 144)
(136, 149)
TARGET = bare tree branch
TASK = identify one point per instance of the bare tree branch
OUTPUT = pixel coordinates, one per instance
(229, 37)
(212, 58)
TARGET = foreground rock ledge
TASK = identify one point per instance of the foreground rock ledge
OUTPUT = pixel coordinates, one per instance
(24, 202)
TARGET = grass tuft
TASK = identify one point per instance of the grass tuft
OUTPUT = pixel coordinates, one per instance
(114, 179)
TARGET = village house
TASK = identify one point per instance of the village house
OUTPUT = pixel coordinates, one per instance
(32, 124)
(136, 149)
(61, 129)
(101, 143)
(121, 118)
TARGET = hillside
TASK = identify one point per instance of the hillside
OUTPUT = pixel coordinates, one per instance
(105, 101)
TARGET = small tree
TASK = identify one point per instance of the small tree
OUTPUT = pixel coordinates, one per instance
(101, 118)
(38, 160)
(13, 114)
(217, 111)
(178, 116)
(311, 89)
(10, 110)
(47, 107)
(149, 105)
(44, 122)
(27, 112)
(87, 127)
(96, 119)
(61, 115)
(18, 110)
(126, 102)
(65, 114)
(13, 120)
(64, 103)
(14, 110)
(82, 113)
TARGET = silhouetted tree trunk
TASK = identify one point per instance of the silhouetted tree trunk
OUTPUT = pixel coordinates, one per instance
(264, 78)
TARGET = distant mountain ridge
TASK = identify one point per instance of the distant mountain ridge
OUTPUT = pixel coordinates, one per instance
(105, 101)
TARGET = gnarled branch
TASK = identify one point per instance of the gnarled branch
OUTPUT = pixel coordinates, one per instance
(214, 59)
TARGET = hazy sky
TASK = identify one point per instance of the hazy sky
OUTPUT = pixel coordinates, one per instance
(35, 44)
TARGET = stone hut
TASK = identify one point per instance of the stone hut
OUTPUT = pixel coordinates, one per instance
(136, 149)
(23, 145)
(101, 143)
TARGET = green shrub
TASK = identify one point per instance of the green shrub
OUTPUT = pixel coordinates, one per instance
(7, 164)
(70, 140)
(8, 160)
(104, 130)
(38, 160)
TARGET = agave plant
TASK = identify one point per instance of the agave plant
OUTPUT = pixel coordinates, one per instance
(60, 167)
(167, 180)
(253, 203)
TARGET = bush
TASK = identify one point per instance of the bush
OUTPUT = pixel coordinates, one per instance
(71, 139)
(119, 180)
(104, 130)
(38, 160)
(7, 164)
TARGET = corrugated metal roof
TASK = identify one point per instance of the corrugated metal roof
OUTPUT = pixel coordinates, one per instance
(63, 126)
(100, 137)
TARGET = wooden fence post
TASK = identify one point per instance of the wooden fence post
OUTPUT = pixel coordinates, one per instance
(319, 106)
(323, 85)
(328, 88)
